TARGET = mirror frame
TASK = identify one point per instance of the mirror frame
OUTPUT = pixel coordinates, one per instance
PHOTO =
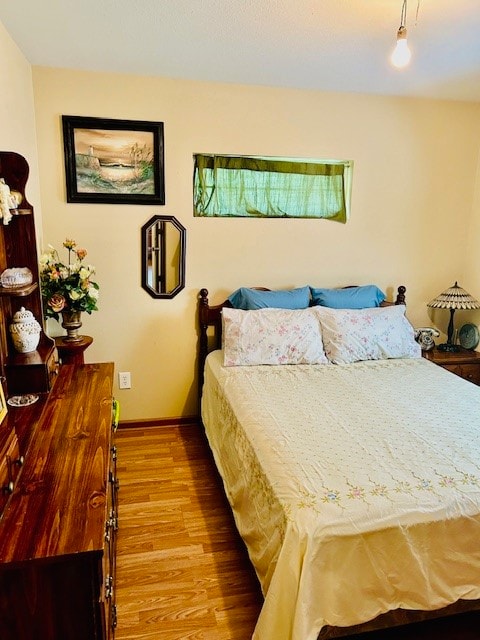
(181, 257)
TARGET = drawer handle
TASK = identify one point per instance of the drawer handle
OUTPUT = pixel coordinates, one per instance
(113, 519)
(111, 525)
(8, 488)
(114, 616)
(108, 587)
(115, 482)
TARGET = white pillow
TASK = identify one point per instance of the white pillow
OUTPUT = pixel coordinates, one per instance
(350, 335)
(272, 336)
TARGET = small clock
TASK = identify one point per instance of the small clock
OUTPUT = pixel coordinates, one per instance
(469, 336)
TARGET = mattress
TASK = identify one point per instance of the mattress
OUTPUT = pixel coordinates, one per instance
(356, 488)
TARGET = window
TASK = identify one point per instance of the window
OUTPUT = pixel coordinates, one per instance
(241, 186)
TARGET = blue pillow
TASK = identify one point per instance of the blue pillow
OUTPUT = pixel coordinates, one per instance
(248, 299)
(349, 298)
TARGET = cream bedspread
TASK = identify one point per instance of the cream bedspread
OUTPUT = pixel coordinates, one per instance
(356, 488)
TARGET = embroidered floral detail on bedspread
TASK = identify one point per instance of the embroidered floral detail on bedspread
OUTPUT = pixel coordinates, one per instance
(364, 461)
(328, 442)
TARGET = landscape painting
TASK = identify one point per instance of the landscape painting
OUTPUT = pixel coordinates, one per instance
(114, 161)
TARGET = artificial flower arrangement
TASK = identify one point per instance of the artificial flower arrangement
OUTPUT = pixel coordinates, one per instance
(67, 288)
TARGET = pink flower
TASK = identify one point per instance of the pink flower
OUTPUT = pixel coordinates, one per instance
(81, 253)
(57, 302)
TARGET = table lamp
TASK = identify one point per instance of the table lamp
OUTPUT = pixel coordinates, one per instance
(453, 298)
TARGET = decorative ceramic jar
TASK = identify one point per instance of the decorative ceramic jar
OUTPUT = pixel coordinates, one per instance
(25, 331)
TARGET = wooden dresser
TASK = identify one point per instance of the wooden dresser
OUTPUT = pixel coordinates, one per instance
(463, 363)
(58, 527)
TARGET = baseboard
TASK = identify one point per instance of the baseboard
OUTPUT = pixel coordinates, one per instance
(158, 422)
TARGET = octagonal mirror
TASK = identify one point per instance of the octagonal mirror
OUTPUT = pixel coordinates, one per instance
(163, 256)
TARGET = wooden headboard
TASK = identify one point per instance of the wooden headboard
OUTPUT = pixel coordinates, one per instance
(211, 317)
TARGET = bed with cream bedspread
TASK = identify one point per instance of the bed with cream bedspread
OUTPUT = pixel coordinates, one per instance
(356, 488)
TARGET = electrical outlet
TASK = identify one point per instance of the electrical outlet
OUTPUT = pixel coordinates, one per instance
(124, 380)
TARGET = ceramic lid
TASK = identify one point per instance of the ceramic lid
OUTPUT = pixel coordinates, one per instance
(23, 315)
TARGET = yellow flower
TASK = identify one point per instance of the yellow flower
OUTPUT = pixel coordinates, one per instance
(85, 273)
(75, 295)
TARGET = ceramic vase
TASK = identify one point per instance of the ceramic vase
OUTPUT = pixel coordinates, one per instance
(25, 331)
(71, 322)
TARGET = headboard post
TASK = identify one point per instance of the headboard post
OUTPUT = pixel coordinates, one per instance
(400, 299)
(203, 339)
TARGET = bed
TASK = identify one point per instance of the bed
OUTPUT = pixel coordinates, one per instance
(355, 485)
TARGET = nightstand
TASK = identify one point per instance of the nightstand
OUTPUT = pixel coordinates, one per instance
(463, 363)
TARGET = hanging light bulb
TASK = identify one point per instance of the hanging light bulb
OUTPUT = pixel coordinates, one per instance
(401, 54)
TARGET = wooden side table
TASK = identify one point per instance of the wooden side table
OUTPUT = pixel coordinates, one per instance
(72, 352)
(463, 363)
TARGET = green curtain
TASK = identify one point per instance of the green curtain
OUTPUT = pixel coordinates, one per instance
(262, 187)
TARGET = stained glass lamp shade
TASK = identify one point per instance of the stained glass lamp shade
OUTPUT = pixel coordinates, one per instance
(453, 298)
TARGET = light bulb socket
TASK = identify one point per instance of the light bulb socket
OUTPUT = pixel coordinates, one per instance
(402, 33)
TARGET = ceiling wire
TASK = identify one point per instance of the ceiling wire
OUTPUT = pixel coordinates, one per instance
(416, 13)
(403, 15)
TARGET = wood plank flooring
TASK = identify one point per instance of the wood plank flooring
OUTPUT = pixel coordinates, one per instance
(182, 570)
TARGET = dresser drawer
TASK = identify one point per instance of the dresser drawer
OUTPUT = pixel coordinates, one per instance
(470, 372)
(52, 368)
(33, 372)
(10, 465)
(5, 483)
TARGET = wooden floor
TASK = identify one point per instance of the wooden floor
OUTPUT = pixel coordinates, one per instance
(182, 570)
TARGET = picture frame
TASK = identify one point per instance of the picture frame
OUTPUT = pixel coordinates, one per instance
(113, 161)
(3, 404)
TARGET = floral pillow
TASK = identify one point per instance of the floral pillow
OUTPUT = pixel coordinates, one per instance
(350, 335)
(272, 336)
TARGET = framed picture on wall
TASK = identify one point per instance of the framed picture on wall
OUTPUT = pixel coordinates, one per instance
(114, 161)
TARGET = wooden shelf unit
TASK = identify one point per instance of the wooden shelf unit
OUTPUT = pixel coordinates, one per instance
(18, 248)
(23, 290)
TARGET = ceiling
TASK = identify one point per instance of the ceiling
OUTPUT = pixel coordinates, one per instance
(330, 45)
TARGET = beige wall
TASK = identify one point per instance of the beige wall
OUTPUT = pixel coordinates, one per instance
(412, 209)
(415, 214)
(471, 281)
(17, 115)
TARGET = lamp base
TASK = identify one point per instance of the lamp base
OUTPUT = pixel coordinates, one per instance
(448, 346)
